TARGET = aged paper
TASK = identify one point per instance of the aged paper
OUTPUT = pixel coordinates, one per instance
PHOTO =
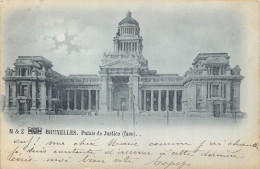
(130, 84)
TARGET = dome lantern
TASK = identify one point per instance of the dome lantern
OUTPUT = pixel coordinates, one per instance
(128, 20)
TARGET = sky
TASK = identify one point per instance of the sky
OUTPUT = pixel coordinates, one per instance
(75, 37)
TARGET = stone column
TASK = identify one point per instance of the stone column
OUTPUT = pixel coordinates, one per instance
(130, 98)
(228, 91)
(167, 99)
(193, 91)
(68, 99)
(221, 109)
(14, 95)
(82, 99)
(175, 101)
(211, 90)
(145, 100)
(204, 95)
(222, 94)
(7, 96)
(159, 100)
(135, 93)
(111, 97)
(50, 97)
(43, 97)
(103, 94)
(237, 96)
(75, 99)
(152, 100)
(89, 99)
(96, 100)
(189, 90)
(140, 99)
(33, 108)
(185, 99)
(138, 47)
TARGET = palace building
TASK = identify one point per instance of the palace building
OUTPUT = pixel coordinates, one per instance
(124, 83)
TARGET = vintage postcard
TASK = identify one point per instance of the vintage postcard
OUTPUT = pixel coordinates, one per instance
(130, 84)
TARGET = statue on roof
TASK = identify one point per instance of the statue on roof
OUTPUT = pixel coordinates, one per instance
(8, 71)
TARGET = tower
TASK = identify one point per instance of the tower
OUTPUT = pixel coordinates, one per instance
(128, 39)
(120, 70)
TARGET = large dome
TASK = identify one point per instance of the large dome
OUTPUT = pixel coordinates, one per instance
(128, 20)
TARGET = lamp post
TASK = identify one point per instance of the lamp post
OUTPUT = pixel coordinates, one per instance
(133, 103)
(167, 108)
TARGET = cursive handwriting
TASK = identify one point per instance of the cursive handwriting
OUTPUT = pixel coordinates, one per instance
(86, 143)
(166, 163)
(91, 160)
(15, 155)
(239, 144)
(114, 142)
(153, 154)
(127, 159)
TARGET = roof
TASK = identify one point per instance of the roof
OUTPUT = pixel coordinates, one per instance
(219, 60)
(128, 20)
(28, 59)
(203, 56)
(83, 75)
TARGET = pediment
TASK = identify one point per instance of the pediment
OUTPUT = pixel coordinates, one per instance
(120, 64)
(23, 62)
(221, 60)
(27, 62)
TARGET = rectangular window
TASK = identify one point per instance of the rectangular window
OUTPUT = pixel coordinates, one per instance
(198, 105)
(23, 73)
(198, 91)
(215, 90)
(215, 70)
(224, 90)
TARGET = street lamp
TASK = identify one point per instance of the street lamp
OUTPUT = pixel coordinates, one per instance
(167, 108)
(133, 110)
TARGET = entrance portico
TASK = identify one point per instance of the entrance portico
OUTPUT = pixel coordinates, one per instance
(120, 79)
(120, 93)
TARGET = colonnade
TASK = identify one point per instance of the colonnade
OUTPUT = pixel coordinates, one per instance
(82, 99)
(127, 46)
(128, 30)
(158, 101)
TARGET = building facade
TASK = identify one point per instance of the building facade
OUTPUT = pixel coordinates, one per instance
(124, 83)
